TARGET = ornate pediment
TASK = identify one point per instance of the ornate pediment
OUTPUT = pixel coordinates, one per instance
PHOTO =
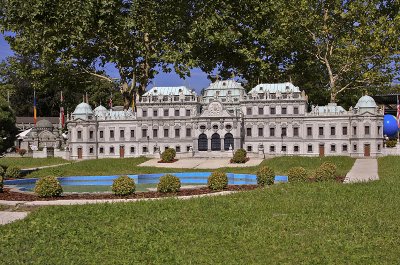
(215, 109)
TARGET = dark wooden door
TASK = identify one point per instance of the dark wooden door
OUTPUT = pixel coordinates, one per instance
(122, 151)
(321, 150)
(215, 142)
(203, 142)
(367, 150)
(80, 153)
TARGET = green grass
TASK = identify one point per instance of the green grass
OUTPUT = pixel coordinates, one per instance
(28, 162)
(130, 166)
(312, 223)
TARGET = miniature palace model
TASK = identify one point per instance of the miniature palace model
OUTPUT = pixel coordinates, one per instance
(271, 119)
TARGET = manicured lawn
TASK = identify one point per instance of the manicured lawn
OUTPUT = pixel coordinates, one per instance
(305, 223)
(28, 162)
(129, 166)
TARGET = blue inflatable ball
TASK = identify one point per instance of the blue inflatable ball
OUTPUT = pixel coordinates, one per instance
(390, 126)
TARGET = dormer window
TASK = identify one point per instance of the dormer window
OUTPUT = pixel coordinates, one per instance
(261, 88)
(202, 127)
(180, 90)
(215, 127)
(224, 84)
(155, 91)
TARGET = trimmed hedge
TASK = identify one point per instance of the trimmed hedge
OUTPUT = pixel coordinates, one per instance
(265, 176)
(13, 172)
(48, 186)
(169, 183)
(391, 143)
(239, 157)
(168, 155)
(297, 174)
(123, 186)
(325, 172)
(217, 181)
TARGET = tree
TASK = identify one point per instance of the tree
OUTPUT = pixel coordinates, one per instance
(8, 131)
(135, 36)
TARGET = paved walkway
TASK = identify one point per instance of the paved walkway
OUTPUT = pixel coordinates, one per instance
(8, 217)
(363, 170)
(201, 163)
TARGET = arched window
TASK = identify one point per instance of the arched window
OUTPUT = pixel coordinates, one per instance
(228, 141)
(215, 142)
(203, 142)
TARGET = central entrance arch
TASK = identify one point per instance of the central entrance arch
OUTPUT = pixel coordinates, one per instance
(215, 142)
(228, 141)
(203, 142)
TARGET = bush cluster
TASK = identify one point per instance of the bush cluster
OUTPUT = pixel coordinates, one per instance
(21, 152)
(297, 174)
(391, 143)
(325, 172)
(123, 186)
(265, 176)
(239, 157)
(217, 181)
(2, 172)
(168, 155)
(48, 187)
(13, 172)
(169, 183)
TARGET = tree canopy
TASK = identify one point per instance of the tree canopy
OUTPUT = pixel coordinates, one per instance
(8, 130)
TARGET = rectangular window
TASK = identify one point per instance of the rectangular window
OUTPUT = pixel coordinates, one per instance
(249, 111)
(166, 112)
(121, 134)
(296, 110)
(344, 148)
(271, 131)
(101, 150)
(296, 131)
(111, 150)
(344, 130)
(144, 113)
(155, 113)
(188, 148)
(145, 149)
(284, 131)
(260, 131)
(354, 130)
(284, 148)
(260, 111)
(273, 110)
(284, 110)
(188, 112)
(309, 148)
(188, 132)
(176, 112)
(333, 130)
(366, 130)
(166, 133)
(178, 149)
(248, 131)
(355, 148)
(132, 133)
(321, 131)
(333, 148)
(177, 133)
(249, 148)
(111, 133)
(101, 134)
(144, 132)
(272, 149)
(309, 131)
(155, 133)
(379, 147)
(91, 134)
(79, 134)
(379, 130)
(296, 148)
(132, 149)
(91, 150)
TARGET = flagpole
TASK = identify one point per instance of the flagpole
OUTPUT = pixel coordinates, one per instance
(34, 107)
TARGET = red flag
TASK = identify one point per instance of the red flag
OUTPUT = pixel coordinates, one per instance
(34, 107)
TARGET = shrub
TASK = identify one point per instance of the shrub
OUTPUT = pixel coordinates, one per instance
(239, 156)
(217, 181)
(169, 183)
(13, 172)
(21, 152)
(2, 172)
(168, 155)
(391, 143)
(123, 186)
(329, 168)
(265, 176)
(48, 187)
(297, 174)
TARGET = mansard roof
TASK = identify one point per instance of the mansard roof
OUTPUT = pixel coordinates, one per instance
(223, 87)
(273, 88)
(173, 90)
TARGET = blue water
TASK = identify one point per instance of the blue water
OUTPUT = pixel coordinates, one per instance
(185, 177)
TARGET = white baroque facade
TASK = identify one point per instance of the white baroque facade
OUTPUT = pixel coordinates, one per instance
(270, 120)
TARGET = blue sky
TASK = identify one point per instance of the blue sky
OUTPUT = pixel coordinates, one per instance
(197, 81)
